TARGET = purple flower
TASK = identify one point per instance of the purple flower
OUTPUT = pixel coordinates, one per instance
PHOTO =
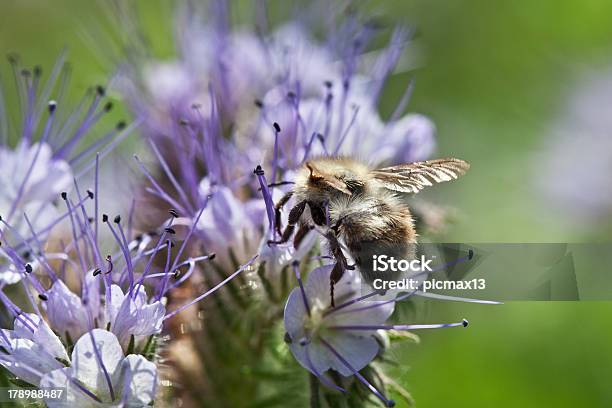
(48, 154)
(112, 293)
(228, 226)
(572, 174)
(234, 98)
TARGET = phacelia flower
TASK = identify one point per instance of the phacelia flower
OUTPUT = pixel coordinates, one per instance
(99, 375)
(48, 153)
(238, 98)
(106, 306)
(579, 188)
(31, 349)
(235, 97)
(342, 338)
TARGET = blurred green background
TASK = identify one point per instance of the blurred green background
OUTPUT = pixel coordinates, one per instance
(494, 76)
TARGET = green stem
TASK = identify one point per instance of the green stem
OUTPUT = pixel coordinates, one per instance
(315, 401)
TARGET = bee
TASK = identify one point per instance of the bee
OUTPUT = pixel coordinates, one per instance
(358, 205)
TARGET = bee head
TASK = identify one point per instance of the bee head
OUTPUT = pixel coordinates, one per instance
(324, 181)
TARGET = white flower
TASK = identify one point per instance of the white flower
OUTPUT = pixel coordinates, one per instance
(66, 312)
(30, 174)
(133, 315)
(310, 331)
(127, 315)
(100, 375)
(30, 179)
(32, 349)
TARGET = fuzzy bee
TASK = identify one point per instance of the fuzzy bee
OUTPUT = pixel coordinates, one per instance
(358, 205)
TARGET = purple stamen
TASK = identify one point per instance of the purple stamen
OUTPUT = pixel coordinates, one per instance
(387, 402)
(320, 376)
(19, 263)
(128, 257)
(74, 233)
(463, 323)
(101, 364)
(51, 82)
(167, 267)
(109, 148)
(456, 298)
(29, 114)
(7, 342)
(277, 130)
(388, 61)
(401, 106)
(350, 302)
(347, 130)
(81, 387)
(130, 225)
(96, 191)
(91, 118)
(400, 297)
(109, 260)
(267, 196)
(19, 84)
(50, 226)
(191, 262)
(86, 227)
(309, 146)
(123, 247)
(159, 191)
(95, 146)
(183, 246)
(213, 290)
(296, 270)
(44, 261)
(147, 269)
(177, 186)
(17, 312)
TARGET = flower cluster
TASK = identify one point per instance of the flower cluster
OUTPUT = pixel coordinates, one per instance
(97, 311)
(41, 159)
(238, 98)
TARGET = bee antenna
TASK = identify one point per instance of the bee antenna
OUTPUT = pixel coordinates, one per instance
(309, 167)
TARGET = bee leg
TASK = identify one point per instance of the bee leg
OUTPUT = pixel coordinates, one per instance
(294, 216)
(277, 210)
(317, 213)
(335, 276)
(285, 237)
(301, 233)
(296, 212)
(336, 226)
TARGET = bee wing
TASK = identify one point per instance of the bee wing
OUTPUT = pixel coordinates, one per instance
(413, 177)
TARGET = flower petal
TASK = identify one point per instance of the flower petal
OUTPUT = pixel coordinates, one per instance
(85, 365)
(139, 379)
(42, 335)
(29, 361)
(74, 397)
(65, 311)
